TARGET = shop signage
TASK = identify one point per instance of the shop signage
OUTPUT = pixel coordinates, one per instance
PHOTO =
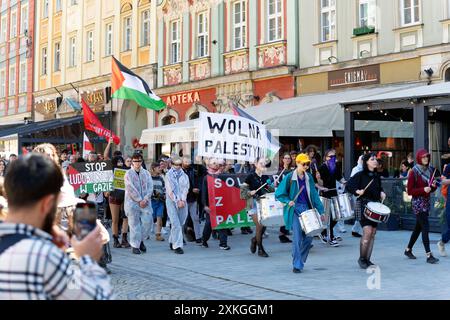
(95, 98)
(354, 77)
(46, 107)
(183, 98)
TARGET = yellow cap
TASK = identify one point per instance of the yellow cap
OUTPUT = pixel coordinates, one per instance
(302, 158)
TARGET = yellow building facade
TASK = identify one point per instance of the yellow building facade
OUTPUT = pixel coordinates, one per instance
(75, 42)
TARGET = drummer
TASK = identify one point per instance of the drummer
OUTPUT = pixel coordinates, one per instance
(298, 193)
(258, 185)
(366, 185)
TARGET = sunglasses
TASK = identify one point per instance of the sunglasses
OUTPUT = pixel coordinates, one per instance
(304, 164)
(137, 161)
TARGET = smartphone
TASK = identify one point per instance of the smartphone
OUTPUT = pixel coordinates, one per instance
(85, 219)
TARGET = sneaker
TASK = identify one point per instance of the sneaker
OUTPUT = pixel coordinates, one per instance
(205, 244)
(322, 239)
(244, 231)
(432, 259)
(199, 242)
(363, 263)
(136, 251)
(338, 238)
(333, 243)
(224, 247)
(356, 234)
(441, 248)
(295, 270)
(179, 251)
(409, 254)
(284, 239)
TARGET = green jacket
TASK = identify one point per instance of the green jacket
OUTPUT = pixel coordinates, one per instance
(288, 189)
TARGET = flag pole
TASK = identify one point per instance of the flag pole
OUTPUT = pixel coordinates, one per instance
(110, 123)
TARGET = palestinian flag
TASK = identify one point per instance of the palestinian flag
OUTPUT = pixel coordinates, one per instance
(228, 210)
(129, 86)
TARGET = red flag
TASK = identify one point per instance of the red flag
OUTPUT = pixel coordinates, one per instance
(87, 146)
(92, 123)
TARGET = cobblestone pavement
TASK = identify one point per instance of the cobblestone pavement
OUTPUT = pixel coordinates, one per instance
(330, 273)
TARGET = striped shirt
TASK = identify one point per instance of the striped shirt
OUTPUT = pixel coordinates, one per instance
(35, 269)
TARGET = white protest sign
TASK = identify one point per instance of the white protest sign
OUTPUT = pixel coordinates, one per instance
(232, 137)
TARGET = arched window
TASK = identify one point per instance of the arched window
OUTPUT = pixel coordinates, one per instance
(168, 120)
(447, 75)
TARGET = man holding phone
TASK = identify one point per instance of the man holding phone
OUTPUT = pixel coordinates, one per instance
(138, 195)
(32, 266)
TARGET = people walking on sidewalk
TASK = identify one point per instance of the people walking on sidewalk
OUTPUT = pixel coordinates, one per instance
(258, 186)
(366, 185)
(296, 203)
(158, 198)
(116, 200)
(177, 188)
(138, 209)
(41, 270)
(282, 173)
(421, 183)
(193, 198)
(213, 170)
(446, 233)
(357, 229)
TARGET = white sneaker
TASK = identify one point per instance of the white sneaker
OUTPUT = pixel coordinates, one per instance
(323, 239)
(333, 243)
(441, 248)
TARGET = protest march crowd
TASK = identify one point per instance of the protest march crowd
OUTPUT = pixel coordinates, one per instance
(41, 256)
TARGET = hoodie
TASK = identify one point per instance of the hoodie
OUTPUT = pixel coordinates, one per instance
(416, 183)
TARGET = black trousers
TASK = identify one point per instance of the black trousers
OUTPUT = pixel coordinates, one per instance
(422, 226)
(207, 230)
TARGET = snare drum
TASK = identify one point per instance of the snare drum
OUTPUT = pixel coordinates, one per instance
(377, 212)
(341, 207)
(270, 213)
(311, 223)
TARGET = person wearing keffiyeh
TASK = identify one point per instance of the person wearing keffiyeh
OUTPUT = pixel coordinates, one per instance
(177, 188)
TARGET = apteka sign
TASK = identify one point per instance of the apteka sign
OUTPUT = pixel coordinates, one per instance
(228, 136)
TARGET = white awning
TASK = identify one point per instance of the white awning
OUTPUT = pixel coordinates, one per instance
(418, 91)
(10, 137)
(185, 131)
(314, 115)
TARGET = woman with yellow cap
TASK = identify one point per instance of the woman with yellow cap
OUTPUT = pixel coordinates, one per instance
(297, 191)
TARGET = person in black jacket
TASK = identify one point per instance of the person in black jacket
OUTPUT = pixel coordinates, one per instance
(374, 192)
(192, 199)
(213, 169)
(330, 173)
(255, 181)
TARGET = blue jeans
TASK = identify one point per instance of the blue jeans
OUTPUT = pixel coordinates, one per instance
(301, 243)
(446, 234)
(158, 208)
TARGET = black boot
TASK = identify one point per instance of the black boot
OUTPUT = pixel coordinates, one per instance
(253, 245)
(116, 242)
(125, 243)
(261, 251)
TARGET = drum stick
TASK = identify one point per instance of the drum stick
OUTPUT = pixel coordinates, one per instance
(261, 187)
(432, 178)
(279, 176)
(365, 188)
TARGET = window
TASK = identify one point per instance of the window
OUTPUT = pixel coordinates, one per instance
(202, 35)
(175, 42)
(109, 39)
(23, 77)
(24, 20)
(13, 21)
(44, 61)
(127, 34)
(12, 80)
(90, 46)
(410, 11)
(58, 6)
(367, 13)
(72, 52)
(73, 2)
(145, 28)
(2, 83)
(57, 66)
(45, 9)
(3, 30)
(275, 20)
(239, 25)
(327, 20)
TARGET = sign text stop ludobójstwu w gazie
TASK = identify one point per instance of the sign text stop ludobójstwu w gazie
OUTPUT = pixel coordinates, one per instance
(91, 177)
